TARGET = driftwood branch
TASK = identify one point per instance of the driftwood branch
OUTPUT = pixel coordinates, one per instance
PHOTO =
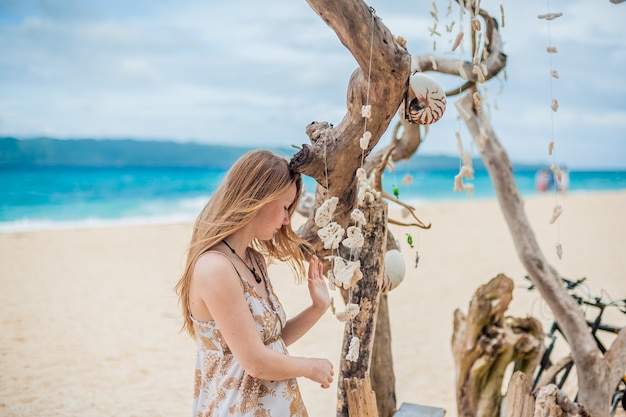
(365, 293)
(484, 343)
(549, 401)
(601, 372)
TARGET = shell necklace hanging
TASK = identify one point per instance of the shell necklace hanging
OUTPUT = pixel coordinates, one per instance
(258, 278)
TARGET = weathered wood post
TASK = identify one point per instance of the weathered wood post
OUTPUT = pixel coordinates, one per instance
(355, 396)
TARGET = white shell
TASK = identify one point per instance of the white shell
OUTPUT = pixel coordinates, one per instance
(426, 100)
(394, 271)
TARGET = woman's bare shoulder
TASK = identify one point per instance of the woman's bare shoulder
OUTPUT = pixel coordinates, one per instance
(214, 265)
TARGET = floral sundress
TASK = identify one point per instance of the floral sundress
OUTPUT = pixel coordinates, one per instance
(222, 388)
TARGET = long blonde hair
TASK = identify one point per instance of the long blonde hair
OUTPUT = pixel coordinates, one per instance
(257, 178)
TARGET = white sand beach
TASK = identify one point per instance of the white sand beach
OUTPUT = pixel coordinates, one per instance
(89, 321)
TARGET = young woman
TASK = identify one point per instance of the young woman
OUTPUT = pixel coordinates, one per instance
(229, 307)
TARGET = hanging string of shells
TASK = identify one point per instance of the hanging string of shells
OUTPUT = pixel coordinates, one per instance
(554, 106)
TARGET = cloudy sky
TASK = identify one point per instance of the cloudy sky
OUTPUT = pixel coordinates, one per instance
(256, 73)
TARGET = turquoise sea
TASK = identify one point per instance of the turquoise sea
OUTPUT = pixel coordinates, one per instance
(68, 197)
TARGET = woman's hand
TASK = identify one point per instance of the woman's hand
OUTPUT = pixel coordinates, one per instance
(318, 289)
(321, 372)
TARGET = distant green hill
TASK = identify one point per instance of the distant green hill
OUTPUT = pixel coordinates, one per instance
(122, 152)
(139, 153)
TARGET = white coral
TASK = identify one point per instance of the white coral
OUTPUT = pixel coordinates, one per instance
(366, 111)
(324, 213)
(349, 312)
(346, 273)
(358, 216)
(364, 142)
(353, 350)
(355, 238)
(331, 235)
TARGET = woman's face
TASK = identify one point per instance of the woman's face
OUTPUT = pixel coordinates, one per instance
(275, 214)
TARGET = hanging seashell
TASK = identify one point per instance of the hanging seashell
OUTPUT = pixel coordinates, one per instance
(559, 250)
(502, 15)
(324, 213)
(476, 24)
(478, 101)
(479, 74)
(353, 350)
(554, 73)
(551, 147)
(433, 62)
(349, 312)
(457, 41)
(551, 49)
(407, 180)
(558, 174)
(426, 101)
(556, 212)
(554, 105)
(394, 270)
(550, 16)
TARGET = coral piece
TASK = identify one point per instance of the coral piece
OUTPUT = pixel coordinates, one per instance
(361, 175)
(366, 111)
(355, 238)
(345, 273)
(353, 350)
(427, 100)
(358, 216)
(331, 235)
(324, 213)
(364, 142)
(349, 312)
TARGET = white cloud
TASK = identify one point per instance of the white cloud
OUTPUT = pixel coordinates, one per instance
(245, 72)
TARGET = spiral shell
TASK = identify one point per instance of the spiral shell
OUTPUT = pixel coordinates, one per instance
(426, 99)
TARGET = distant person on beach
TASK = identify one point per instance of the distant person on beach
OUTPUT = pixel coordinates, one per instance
(229, 306)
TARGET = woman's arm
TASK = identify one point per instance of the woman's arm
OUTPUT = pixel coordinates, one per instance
(318, 290)
(219, 287)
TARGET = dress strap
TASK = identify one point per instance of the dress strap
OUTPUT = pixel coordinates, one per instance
(229, 260)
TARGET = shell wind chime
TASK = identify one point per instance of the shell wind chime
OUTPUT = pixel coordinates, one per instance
(425, 102)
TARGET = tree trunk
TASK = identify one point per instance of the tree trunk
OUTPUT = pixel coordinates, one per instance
(484, 343)
(383, 378)
(601, 373)
(365, 293)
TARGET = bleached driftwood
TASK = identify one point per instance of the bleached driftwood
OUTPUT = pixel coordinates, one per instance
(485, 342)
